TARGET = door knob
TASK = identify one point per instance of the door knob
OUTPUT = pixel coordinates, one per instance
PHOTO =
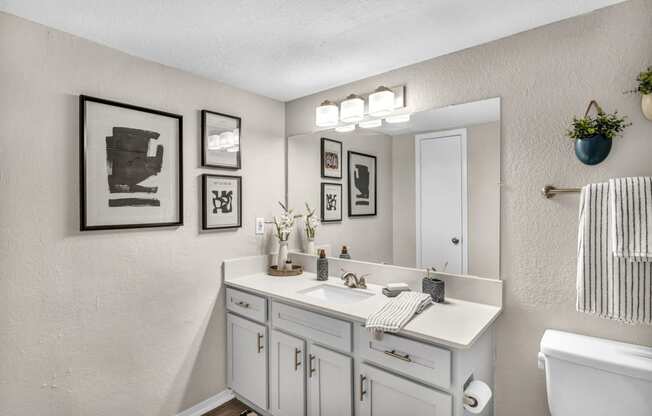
(455, 240)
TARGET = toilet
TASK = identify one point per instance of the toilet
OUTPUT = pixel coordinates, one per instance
(590, 376)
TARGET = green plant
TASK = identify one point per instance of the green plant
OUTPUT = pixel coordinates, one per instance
(607, 125)
(644, 82)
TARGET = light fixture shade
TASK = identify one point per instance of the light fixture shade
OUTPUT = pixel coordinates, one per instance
(345, 128)
(381, 102)
(352, 109)
(370, 124)
(327, 114)
(401, 118)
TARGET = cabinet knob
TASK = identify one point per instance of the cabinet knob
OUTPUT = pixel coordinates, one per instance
(455, 240)
(243, 304)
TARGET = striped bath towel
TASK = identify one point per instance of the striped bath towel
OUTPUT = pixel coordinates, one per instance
(631, 217)
(609, 286)
(397, 312)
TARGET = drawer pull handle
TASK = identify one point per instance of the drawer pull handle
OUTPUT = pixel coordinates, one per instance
(402, 357)
(297, 363)
(362, 390)
(259, 344)
(311, 370)
(243, 304)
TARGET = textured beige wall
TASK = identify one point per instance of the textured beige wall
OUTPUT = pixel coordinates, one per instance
(367, 238)
(544, 76)
(115, 322)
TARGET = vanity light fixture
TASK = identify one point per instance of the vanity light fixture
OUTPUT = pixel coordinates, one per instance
(370, 124)
(352, 109)
(347, 128)
(327, 114)
(401, 118)
(381, 102)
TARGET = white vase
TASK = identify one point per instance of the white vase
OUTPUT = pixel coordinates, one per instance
(310, 247)
(646, 106)
(282, 254)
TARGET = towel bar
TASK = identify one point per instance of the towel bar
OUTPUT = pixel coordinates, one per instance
(549, 191)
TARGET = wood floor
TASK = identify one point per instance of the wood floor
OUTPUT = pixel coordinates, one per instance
(231, 408)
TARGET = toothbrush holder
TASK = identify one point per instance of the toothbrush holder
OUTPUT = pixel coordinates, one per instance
(435, 288)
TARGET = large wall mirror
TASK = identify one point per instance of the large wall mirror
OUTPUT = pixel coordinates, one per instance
(421, 193)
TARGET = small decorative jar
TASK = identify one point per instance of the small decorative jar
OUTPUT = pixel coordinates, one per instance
(435, 288)
(310, 247)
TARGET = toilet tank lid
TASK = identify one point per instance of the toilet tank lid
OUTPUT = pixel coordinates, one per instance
(617, 357)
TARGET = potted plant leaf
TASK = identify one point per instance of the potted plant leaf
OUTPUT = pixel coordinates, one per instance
(645, 89)
(594, 135)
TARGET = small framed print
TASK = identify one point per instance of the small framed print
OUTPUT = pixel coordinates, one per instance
(362, 184)
(331, 202)
(130, 162)
(221, 202)
(220, 140)
(331, 158)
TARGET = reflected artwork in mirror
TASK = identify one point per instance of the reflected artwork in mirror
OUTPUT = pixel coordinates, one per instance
(422, 193)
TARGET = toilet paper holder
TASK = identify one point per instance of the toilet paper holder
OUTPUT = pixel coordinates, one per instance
(470, 401)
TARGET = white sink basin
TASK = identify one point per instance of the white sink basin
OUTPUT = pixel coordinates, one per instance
(337, 295)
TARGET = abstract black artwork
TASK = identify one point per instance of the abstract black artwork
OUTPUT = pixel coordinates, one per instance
(331, 202)
(221, 202)
(331, 158)
(362, 184)
(220, 140)
(130, 166)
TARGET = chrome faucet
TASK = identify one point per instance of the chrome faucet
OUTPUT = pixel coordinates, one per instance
(353, 281)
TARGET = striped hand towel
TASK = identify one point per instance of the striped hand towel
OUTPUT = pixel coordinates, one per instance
(609, 286)
(631, 217)
(397, 312)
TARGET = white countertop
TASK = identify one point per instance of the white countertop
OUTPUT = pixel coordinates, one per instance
(456, 323)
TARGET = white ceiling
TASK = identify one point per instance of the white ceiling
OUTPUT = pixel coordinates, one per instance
(287, 49)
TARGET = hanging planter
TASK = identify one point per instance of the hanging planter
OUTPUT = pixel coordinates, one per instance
(646, 105)
(594, 135)
(645, 89)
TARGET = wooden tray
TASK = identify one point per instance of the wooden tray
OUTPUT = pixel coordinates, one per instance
(296, 271)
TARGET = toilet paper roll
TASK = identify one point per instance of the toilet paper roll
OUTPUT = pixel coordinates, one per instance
(479, 392)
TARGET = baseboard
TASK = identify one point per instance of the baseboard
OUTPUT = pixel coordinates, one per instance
(209, 404)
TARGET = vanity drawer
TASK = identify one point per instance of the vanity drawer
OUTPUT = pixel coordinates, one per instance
(412, 358)
(247, 305)
(322, 329)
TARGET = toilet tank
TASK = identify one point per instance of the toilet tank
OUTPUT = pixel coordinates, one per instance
(595, 377)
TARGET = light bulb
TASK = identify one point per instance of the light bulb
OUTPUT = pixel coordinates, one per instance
(401, 118)
(370, 124)
(327, 114)
(381, 102)
(345, 129)
(352, 109)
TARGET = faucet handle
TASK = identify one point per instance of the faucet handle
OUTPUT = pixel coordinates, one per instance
(362, 282)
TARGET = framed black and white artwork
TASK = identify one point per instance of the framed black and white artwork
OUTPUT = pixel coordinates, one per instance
(331, 202)
(331, 158)
(221, 202)
(362, 178)
(220, 140)
(131, 173)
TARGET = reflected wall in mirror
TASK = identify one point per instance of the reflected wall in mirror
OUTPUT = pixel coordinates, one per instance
(437, 190)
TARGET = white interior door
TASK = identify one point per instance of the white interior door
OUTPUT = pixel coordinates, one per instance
(441, 200)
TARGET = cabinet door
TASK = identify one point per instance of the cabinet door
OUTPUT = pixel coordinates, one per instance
(329, 383)
(287, 375)
(384, 394)
(247, 359)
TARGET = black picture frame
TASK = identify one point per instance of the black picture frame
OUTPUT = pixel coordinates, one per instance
(323, 207)
(204, 198)
(84, 226)
(204, 162)
(350, 189)
(322, 159)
